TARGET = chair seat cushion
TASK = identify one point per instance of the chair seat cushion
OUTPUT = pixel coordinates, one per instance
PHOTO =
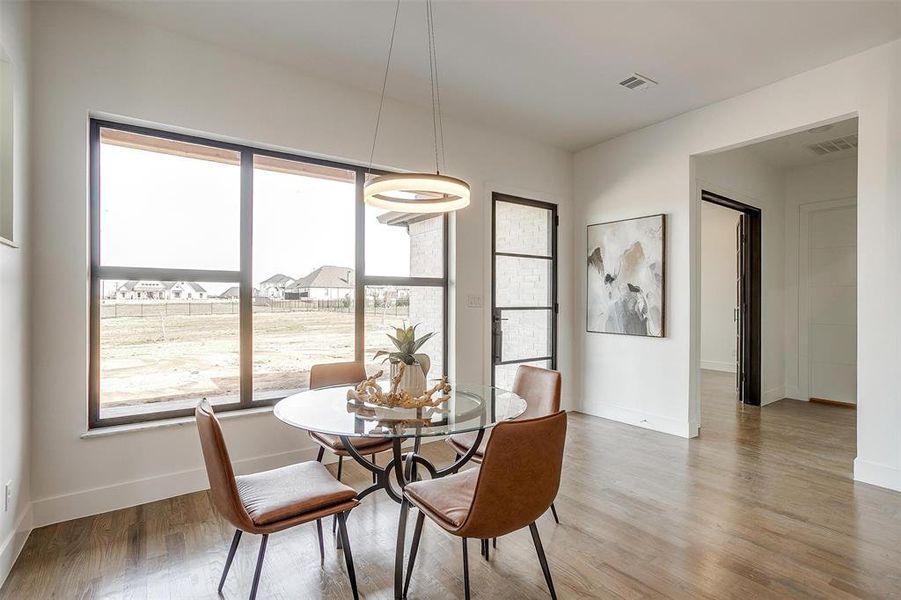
(369, 444)
(448, 498)
(279, 494)
(462, 442)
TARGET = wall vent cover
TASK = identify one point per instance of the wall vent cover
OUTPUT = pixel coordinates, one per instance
(836, 145)
(637, 82)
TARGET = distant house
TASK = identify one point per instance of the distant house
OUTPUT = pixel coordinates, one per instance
(161, 290)
(234, 292)
(275, 286)
(325, 283)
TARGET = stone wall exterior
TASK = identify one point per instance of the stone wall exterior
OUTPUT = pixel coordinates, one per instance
(427, 304)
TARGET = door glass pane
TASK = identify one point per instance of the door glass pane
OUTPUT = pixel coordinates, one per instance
(504, 374)
(526, 334)
(303, 275)
(388, 307)
(164, 345)
(168, 204)
(522, 229)
(522, 281)
(404, 244)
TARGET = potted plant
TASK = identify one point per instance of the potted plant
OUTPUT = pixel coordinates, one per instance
(407, 345)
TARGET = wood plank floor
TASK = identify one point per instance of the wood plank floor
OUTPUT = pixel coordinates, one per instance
(762, 505)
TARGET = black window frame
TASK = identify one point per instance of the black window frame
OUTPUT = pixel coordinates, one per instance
(243, 277)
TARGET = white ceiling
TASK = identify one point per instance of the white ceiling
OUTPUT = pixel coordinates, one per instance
(792, 150)
(545, 70)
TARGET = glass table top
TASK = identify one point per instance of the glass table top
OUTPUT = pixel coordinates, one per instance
(469, 408)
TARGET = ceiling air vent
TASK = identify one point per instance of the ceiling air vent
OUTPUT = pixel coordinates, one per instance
(637, 82)
(836, 145)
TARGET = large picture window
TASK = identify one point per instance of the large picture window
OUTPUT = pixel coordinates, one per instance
(225, 272)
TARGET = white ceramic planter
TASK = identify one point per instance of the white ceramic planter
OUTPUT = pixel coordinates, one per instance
(412, 381)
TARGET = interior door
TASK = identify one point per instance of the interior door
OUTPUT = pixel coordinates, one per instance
(832, 300)
(524, 286)
(740, 305)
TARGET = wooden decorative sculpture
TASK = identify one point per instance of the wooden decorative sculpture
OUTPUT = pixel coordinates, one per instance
(370, 391)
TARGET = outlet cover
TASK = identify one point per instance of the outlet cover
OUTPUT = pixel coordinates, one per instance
(473, 301)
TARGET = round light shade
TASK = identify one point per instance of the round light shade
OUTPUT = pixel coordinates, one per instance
(417, 193)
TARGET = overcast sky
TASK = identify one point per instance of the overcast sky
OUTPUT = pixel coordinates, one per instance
(161, 210)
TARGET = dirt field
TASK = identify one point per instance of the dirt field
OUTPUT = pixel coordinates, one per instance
(182, 358)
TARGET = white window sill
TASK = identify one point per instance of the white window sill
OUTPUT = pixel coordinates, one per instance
(8, 242)
(102, 432)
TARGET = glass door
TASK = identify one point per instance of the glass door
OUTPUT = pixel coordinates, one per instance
(524, 286)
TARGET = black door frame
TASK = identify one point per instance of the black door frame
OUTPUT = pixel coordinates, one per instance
(554, 307)
(749, 392)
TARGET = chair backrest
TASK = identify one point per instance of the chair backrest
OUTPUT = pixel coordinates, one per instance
(540, 388)
(519, 476)
(329, 374)
(219, 470)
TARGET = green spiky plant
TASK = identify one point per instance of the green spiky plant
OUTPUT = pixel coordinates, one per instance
(407, 345)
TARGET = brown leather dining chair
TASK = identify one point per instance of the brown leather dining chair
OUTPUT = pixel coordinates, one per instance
(343, 373)
(515, 484)
(271, 501)
(540, 388)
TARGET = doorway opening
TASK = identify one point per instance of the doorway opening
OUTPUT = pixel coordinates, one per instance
(731, 274)
(778, 286)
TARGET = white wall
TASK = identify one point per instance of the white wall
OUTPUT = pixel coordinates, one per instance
(89, 62)
(743, 176)
(654, 383)
(718, 293)
(15, 422)
(835, 180)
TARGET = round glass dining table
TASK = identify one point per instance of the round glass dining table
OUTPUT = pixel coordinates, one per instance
(469, 408)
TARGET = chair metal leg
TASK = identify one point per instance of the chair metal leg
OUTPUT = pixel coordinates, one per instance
(321, 543)
(543, 560)
(320, 455)
(348, 557)
(465, 571)
(494, 543)
(554, 512)
(487, 551)
(374, 480)
(335, 518)
(417, 533)
(399, 550)
(259, 569)
(231, 557)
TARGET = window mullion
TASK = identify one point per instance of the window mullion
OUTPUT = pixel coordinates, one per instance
(245, 297)
(359, 268)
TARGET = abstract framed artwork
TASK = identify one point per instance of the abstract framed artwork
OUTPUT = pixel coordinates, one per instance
(627, 277)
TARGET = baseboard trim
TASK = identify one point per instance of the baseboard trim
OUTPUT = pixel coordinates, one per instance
(772, 395)
(716, 365)
(877, 474)
(850, 405)
(686, 429)
(84, 503)
(15, 541)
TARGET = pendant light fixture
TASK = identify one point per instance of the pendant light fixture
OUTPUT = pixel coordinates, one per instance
(417, 192)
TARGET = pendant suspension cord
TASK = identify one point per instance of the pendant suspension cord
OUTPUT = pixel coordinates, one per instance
(440, 135)
(430, 33)
(378, 117)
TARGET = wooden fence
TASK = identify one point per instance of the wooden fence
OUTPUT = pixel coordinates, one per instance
(110, 309)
